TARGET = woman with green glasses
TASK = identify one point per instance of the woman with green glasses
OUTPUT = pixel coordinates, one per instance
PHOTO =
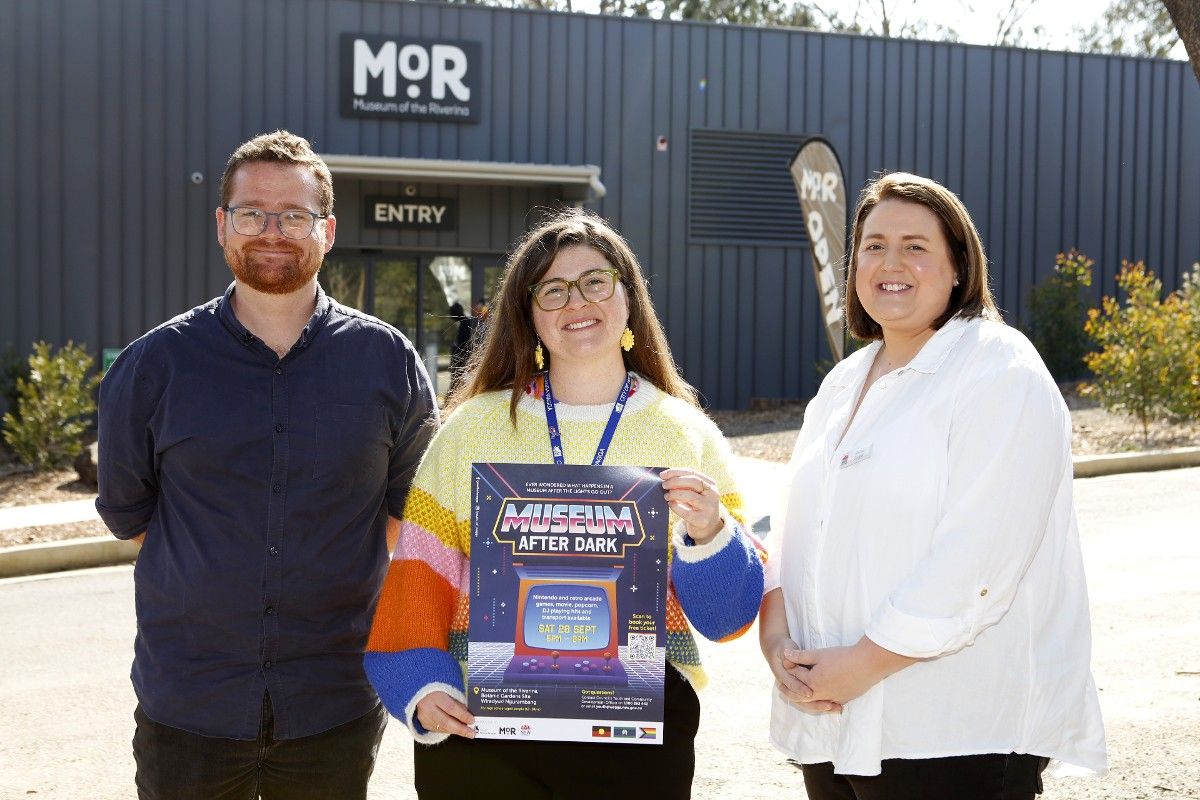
(574, 369)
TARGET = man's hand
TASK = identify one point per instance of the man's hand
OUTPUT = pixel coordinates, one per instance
(840, 674)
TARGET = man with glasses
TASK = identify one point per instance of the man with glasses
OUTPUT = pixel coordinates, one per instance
(261, 447)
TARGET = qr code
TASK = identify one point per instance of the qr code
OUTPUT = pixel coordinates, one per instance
(641, 647)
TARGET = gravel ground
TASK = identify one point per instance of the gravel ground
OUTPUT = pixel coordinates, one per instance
(39, 534)
(771, 433)
(767, 434)
(20, 487)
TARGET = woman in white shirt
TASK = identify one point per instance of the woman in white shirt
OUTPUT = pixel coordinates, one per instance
(926, 618)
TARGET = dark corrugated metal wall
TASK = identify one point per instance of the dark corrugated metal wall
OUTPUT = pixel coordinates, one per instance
(107, 107)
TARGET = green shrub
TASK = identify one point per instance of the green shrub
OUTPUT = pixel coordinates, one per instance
(1057, 311)
(12, 367)
(54, 407)
(1148, 365)
(1187, 403)
(1189, 291)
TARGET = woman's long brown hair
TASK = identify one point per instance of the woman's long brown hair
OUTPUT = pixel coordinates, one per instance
(504, 360)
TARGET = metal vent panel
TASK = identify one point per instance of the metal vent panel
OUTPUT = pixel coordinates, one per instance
(740, 190)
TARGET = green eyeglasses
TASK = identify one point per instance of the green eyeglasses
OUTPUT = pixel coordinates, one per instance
(595, 286)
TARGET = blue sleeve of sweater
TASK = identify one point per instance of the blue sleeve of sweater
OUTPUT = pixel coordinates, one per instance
(719, 584)
(399, 677)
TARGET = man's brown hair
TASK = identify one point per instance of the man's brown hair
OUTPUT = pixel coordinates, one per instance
(281, 147)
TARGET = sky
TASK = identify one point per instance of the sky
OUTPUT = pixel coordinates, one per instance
(976, 21)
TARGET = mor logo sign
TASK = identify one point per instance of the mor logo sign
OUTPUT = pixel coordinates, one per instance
(401, 78)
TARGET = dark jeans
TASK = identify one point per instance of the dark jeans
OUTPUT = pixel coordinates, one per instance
(983, 777)
(504, 769)
(173, 764)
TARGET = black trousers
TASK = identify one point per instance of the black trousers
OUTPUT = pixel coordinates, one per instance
(984, 777)
(503, 769)
(173, 764)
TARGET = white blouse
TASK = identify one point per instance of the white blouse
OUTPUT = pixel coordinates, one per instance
(941, 526)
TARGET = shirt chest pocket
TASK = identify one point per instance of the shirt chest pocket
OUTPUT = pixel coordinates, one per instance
(352, 445)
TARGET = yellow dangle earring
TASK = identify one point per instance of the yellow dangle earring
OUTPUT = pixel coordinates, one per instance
(627, 340)
(539, 357)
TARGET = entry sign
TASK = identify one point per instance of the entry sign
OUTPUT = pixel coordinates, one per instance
(410, 213)
(818, 175)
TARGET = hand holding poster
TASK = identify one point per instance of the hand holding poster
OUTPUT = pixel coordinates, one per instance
(568, 603)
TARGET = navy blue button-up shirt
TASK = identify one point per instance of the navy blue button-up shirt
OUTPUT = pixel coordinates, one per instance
(263, 485)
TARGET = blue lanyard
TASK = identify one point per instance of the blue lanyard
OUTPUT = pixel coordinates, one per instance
(605, 440)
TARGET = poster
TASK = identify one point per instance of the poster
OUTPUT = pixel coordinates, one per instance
(568, 603)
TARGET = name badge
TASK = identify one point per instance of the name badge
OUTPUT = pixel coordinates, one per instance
(852, 458)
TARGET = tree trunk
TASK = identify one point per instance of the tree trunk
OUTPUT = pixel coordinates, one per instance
(1186, 16)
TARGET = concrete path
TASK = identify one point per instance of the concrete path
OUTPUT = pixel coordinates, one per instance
(66, 703)
(48, 514)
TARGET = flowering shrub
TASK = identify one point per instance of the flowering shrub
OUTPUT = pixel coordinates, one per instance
(1148, 364)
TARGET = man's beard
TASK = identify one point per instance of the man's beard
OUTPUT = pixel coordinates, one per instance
(273, 276)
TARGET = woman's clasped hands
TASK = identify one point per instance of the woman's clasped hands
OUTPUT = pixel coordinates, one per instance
(822, 681)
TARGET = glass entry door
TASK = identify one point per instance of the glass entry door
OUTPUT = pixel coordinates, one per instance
(414, 293)
(394, 294)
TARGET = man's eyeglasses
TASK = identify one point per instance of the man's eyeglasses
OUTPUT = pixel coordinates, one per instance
(294, 224)
(595, 286)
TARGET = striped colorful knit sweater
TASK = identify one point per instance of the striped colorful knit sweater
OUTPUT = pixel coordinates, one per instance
(418, 642)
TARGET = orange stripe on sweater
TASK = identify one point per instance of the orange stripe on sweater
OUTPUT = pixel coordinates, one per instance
(414, 609)
(676, 620)
(736, 633)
